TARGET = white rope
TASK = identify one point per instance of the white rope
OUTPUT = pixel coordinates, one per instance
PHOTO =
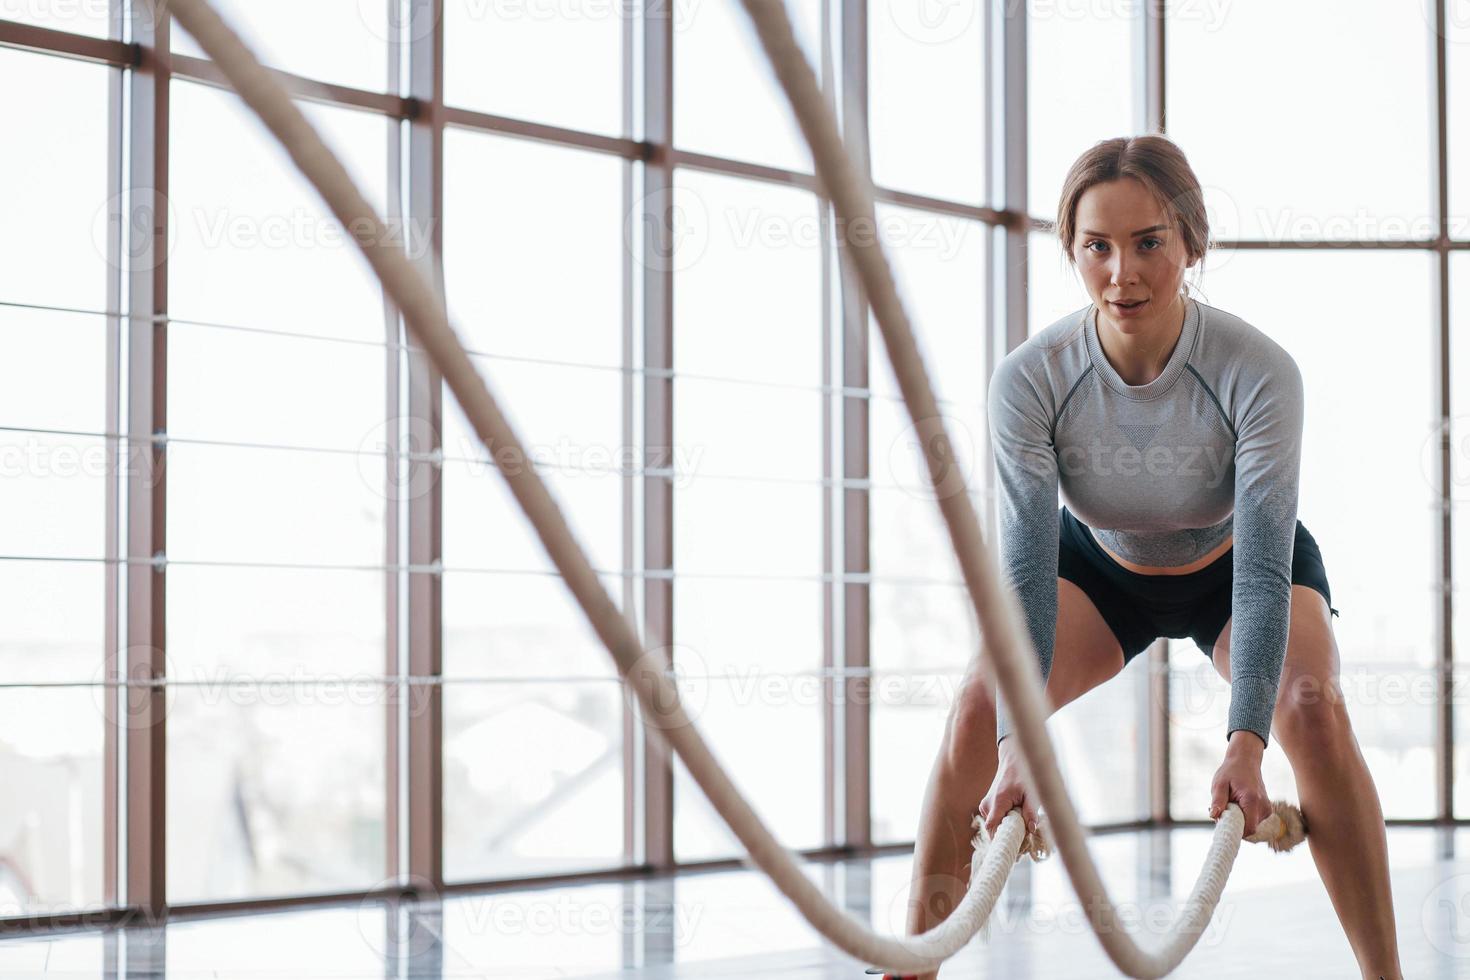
(648, 671)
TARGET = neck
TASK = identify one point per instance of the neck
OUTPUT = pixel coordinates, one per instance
(1140, 353)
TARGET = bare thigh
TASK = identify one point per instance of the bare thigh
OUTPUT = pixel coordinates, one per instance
(1085, 652)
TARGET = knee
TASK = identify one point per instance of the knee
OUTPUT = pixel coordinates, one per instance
(1311, 716)
(971, 722)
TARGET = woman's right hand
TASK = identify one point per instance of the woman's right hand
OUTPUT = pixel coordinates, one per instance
(1007, 791)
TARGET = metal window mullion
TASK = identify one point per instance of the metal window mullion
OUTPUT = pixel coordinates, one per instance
(394, 729)
(628, 394)
(425, 722)
(147, 352)
(1440, 390)
(658, 423)
(1152, 692)
(113, 524)
(855, 506)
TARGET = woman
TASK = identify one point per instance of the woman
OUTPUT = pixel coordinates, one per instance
(1173, 431)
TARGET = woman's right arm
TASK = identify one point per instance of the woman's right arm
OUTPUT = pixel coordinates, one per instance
(1021, 439)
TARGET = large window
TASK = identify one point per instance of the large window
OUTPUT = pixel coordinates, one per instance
(533, 712)
(748, 515)
(1386, 629)
(370, 679)
(53, 468)
(1318, 181)
(276, 510)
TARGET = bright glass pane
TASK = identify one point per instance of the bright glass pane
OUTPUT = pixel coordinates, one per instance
(267, 505)
(53, 624)
(59, 482)
(1381, 571)
(90, 17)
(275, 789)
(533, 777)
(1460, 502)
(322, 394)
(915, 51)
(1459, 455)
(51, 819)
(1319, 181)
(739, 231)
(748, 502)
(344, 42)
(1053, 289)
(528, 222)
(275, 624)
(54, 372)
(726, 99)
(557, 63)
(252, 243)
(939, 263)
(1080, 88)
(53, 180)
(923, 633)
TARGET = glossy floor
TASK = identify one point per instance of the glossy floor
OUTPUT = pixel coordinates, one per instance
(1275, 919)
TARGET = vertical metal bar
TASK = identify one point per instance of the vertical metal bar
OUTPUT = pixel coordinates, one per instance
(116, 452)
(147, 400)
(1152, 693)
(629, 393)
(1444, 544)
(425, 809)
(832, 740)
(393, 731)
(856, 558)
(658, 432)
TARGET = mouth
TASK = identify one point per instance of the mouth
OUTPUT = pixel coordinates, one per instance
(1130, 306)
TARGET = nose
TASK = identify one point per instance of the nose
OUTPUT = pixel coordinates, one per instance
(1122, 268)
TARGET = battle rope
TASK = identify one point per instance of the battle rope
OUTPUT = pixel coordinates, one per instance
(647, 672)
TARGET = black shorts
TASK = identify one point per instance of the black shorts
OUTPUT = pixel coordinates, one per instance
(1141, 608)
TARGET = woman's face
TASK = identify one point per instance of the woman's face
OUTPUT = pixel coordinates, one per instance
(1127, 250)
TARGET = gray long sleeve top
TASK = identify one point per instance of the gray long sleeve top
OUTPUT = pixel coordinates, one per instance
(1162, 473)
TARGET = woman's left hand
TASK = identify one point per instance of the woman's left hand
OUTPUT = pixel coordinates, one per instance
(1238, 780)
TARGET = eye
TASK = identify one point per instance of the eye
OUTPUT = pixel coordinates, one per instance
(1095, 241)
(1156, 241)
